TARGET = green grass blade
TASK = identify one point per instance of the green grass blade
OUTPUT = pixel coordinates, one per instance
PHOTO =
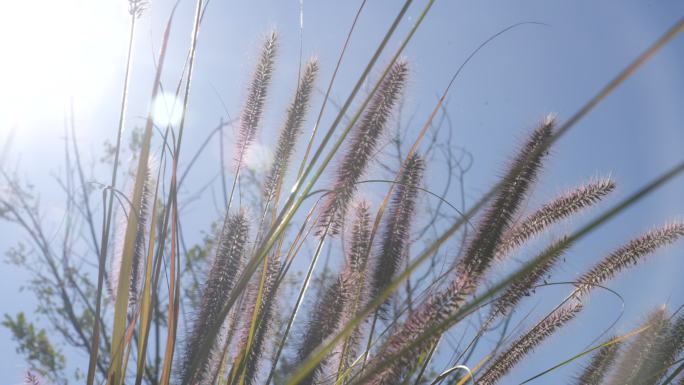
(115, 374)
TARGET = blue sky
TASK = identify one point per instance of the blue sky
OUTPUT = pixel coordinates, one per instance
(509, 85)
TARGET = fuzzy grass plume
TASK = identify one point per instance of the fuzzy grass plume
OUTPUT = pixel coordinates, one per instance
(514, 187)
(396, 234)
(601, 362)
(326, 318)
(355, 276)
(256, 96)
(251, 351)
(524, 345)
(554, 211)
(341, 300)
(630, 254)
(361, 147)
(521, 288)
(631, 361)
(230, 254)
(291, 130)
(667, 344)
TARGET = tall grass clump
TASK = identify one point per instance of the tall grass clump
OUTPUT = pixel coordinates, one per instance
(390, 281)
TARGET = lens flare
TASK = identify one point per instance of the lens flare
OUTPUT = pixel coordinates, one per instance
(167, 109)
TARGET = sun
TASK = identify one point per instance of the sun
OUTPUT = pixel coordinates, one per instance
(56, 52)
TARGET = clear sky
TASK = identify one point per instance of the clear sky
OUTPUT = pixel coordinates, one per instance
(532, 70)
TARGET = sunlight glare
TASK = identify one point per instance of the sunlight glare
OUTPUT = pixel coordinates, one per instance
(167, 110)
(258, 157)
(55, 52)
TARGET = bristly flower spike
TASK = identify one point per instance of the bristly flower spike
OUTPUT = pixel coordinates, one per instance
(601, 362)
(256, 96)
(630, 254)
(340, 298)
(396, 235)
(265, 309)
(524, 345)
(291, 130)
(636, 354)
(523, 286)
(140, 247)
(554, 211)
(361, 148)
(230, 254)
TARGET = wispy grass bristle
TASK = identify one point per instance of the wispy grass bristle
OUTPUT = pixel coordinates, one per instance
(256, 96)
(601, 362)
(228, 261)
(631, 361)
(287, 141)
(395, 239)
(525, 344)
(362, 144)
(552, 212)
(667, 345)
(357, 256)
(630, 254)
